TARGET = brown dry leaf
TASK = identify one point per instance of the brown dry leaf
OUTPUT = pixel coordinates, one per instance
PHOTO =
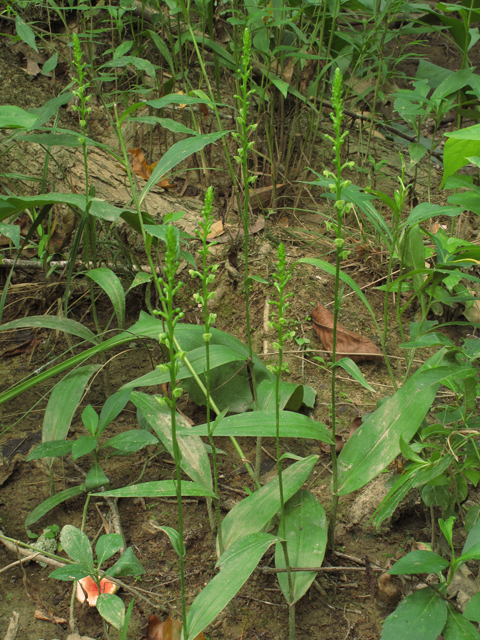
(39, 615)
(325, 448)
(283, 222)
(262, 197)
(349, 343)
(356, 424)
(32, 67)
(144, 170)
(216, 230)
(168, 630)
(389, 592)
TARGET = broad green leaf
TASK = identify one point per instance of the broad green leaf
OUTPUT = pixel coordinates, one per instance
(473, 537)
(50, 64)
(12, 117)
(460, 146)
(25, 32)
(419, 562)
(49, 109)
(98, 208)
(236, 566)
(427, 210)
(377, 442)
(458, 627)
(69, 572)
(83, 446)
(219, 356)
(422, 615)
(263, 423)
(139, 63)
(112, 609)
(194, 460)
(253, 512)
(452, 83)
(350, 367)
(416, 151)
(76, 544)
(107, 546)
(473, 553)
(95, 478)
(90, 420)
(53, 322)
(472, 517)
(11, 231)
(51, 449)
(306, 534)
(131, 441)
(112, 286)
(176, 153)
(58, 414)
(472, 610)
(112, 407)
(291, 395)
(126, 565)
(50, 503)
(157, 489)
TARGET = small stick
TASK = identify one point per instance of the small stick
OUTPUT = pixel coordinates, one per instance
(12, 627)
(14, 564)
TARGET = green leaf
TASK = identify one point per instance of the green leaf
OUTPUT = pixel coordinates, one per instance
(458, 149)
(219, 356)
(76, 544)
(50, 64)
(419, 562)
(305, 531)
(176, 153)
(112, 407)
(473, 537)
(194, 460)
(112, 609)
(51, 449)
(12, 117)
(175, 539)
(377, 442)
(263, 423)
(83, 446)
(290, 395)
(236, 566)
(446, 527)
(98, 208)
(50, 503)
(422, 615)
(90, 420)
(426, 210)
(157, 489)
(472, 517)
(458, 627)
(166, 123)
(126, 565)
(58, 414)
(107, 546)
(112, 286)
(11, 231)
(472, 610)
(139, 63)
(25, 32)
(131, 441)
(162, 47)
(69, 572)
(95, 478)
(350, 367)
(53, 322)
(253, 512)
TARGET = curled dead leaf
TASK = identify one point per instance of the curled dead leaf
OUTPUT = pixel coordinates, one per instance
(349, 343)
(144, 170)
(168, 630)
(389, 592)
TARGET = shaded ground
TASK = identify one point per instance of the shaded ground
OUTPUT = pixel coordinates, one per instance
(340, 605)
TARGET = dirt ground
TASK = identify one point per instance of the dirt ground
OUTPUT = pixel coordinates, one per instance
(341, 604)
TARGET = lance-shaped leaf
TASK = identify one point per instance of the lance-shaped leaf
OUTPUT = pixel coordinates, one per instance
(194, 460)
(52, 502)
(112, 286)
(264, 424)
(236, 566)
(157, 489)
(305, 530)
(252, 514)
(377, 442)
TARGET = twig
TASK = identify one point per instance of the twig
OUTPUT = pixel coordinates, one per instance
(17, 562)
(316, 569)
(12, 626)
